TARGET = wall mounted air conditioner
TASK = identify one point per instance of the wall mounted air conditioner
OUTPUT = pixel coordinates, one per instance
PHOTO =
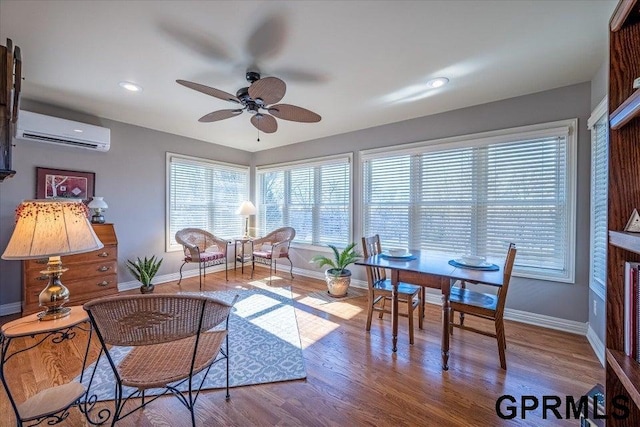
(52, 130)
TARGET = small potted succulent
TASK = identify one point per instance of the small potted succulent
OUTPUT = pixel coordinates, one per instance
(144, 271)
(338, 277)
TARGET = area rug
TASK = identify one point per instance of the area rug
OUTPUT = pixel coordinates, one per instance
(264, 345)
(323, 297)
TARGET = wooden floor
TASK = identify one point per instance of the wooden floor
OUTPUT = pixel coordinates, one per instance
(353, 378)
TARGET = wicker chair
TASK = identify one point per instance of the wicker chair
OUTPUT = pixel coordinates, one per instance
(204, 248)
(173, 338)
(380, 290)
(484, 305)
(275, 245)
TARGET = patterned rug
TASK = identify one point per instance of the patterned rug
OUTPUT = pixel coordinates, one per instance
(264, 345)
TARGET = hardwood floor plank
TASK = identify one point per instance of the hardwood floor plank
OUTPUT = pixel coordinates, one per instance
(353, 378)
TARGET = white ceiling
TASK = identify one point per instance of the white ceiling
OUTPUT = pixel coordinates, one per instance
(357, 64)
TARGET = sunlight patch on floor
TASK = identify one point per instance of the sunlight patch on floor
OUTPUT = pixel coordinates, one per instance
(315, 327)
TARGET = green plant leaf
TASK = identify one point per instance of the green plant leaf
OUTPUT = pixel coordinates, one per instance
(144, 269)
(340, 261)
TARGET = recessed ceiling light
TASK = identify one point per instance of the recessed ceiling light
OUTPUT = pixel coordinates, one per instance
(131, 86)
(78, 130)
(437, 82)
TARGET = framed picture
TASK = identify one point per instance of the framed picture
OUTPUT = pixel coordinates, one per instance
(65, 184)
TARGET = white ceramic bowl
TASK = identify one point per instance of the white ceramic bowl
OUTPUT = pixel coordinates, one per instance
(397, 252)
(473, 259)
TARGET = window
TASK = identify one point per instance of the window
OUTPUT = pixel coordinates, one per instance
(204, 194)
(599, 127)
(477, 193)
(312, 197)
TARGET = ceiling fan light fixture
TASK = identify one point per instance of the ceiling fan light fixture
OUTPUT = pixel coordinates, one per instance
(437, 82)
(132, 87)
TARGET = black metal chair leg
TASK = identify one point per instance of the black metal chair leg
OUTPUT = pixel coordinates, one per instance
(181, 272)
(291, 269)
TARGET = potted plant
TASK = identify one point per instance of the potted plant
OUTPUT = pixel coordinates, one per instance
(338, 277)
(144, 270)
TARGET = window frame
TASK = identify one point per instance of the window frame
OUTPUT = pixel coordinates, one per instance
(599, 112)
(566, 128)
(170, 244)
(310, 163)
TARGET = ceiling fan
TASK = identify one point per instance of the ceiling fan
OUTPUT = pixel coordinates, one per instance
(259, 99)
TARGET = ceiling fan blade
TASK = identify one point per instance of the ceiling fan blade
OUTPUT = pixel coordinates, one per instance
(203, 43)
(209, 91)
(267, 40)
(293, 113)
(269, 89)
(219, 115)
(264, 123)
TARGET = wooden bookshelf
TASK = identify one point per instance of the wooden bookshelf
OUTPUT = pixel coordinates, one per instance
(625, 240)
(622, 371)
(627, 371)
(626, 112)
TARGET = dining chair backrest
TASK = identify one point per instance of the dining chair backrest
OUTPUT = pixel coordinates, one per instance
(506, 274)
(371, 246)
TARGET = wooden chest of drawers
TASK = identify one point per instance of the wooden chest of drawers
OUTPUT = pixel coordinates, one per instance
(90, 275)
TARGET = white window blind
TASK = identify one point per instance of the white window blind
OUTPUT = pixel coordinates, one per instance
(599, 185)
(204, 194)
(476, 198)
(312, 197)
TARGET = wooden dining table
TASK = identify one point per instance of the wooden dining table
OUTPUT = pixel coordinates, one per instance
(429, 269)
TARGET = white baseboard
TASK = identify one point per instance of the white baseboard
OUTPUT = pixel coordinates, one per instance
(535, 319)
(596, 344)
(164, 278)
(432, 298)
(11, 308)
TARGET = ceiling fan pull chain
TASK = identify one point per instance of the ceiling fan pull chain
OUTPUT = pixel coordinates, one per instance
(258, 135)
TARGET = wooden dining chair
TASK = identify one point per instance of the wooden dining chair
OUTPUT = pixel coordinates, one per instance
(484, 305)
(380, 289)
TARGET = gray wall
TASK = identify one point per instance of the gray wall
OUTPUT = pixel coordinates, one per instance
(597, 306)
(130, 177)
(562, 300)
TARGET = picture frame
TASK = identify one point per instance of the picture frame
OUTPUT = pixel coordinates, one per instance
(64, 184)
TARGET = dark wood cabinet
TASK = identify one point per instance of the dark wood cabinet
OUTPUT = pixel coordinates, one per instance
(622, 371)
(90, 275)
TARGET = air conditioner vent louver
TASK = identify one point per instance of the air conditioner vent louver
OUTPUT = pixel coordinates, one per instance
(45, 138)
(53, 130)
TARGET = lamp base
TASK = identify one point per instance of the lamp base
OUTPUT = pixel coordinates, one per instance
(97, 218)
(55, 313)
(55, 294)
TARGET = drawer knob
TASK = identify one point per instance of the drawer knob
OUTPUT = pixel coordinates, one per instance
(103, 283)
(43, 277)
(103, 254)
(104, 268)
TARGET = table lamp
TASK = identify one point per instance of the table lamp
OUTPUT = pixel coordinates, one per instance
(51, 228)
(246, 208)
(98, 205)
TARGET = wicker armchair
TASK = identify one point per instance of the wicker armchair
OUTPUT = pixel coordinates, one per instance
(173, 338)
(275, 245)
(204, 248)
